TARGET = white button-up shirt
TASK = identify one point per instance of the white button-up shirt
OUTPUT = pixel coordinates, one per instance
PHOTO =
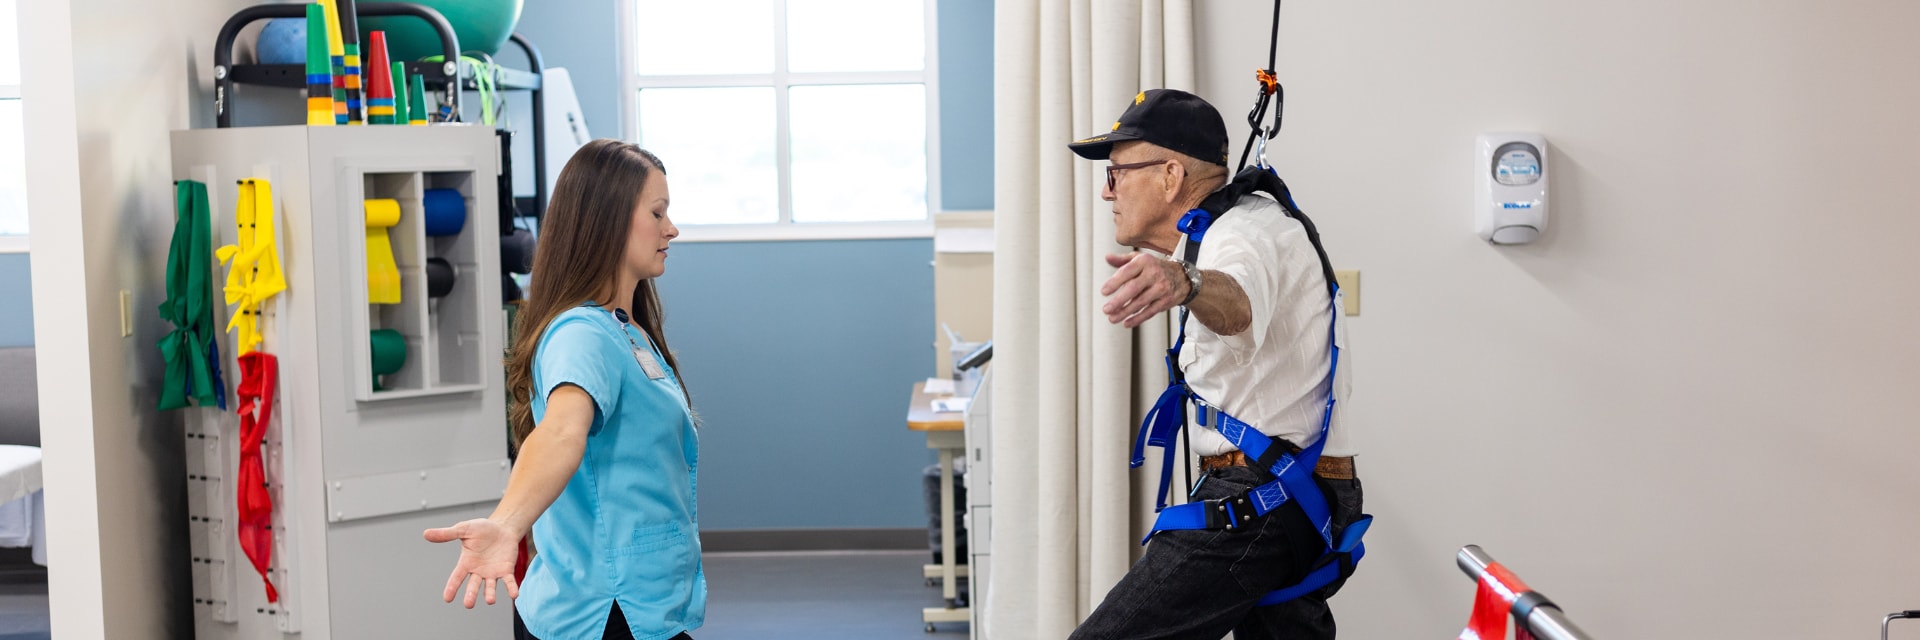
(1273, 375)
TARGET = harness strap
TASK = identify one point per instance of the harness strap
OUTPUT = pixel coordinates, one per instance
(1293, 480)
(1293, 473)
(1162, 423)
(1338, 561)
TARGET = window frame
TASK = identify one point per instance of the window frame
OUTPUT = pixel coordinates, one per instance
(13, 243)
(782, 80)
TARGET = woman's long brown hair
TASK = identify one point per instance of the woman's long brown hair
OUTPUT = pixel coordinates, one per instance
(583, 241)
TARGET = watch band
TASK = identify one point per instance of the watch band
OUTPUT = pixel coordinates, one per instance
(1193, 281)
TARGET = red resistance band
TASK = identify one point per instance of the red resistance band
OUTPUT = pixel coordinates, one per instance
(1498, 589)
(524, 560)
(258, 373)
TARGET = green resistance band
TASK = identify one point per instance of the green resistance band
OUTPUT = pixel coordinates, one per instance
(483, 81)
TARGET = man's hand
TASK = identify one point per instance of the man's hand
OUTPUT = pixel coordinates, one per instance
(1144, 286)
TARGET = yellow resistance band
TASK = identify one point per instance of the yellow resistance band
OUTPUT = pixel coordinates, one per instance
(383, 276)
(254, 273)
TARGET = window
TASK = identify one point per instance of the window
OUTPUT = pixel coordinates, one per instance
(787, 118)
(13, 143)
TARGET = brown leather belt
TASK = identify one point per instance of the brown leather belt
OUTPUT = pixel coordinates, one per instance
(1330, 468)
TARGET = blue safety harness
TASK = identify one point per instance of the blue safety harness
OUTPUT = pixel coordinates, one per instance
(1292, 470)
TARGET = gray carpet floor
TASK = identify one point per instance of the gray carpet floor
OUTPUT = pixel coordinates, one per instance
(850, 595)
(855, 595)
(23, 612)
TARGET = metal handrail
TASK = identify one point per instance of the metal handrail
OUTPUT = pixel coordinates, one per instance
(1899, 615)
(1540, 615)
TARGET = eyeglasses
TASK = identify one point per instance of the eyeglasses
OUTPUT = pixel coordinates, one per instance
(1113, 171)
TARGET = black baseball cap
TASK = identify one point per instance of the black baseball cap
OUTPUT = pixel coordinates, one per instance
(1169, 118)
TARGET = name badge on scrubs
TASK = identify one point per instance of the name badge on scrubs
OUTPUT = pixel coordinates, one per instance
(648, 364)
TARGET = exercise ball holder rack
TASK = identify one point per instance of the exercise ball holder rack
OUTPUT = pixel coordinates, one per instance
(437, 74)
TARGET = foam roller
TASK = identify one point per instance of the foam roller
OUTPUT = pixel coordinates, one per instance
(440, 277)
(516, 252)
(383, 276)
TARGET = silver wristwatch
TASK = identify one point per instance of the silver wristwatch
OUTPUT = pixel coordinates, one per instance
(1193, 281)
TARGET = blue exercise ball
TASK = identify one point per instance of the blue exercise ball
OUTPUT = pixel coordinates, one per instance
(283, 41)
(481, 25)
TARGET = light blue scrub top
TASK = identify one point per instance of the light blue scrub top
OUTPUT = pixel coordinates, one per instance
(624, 529)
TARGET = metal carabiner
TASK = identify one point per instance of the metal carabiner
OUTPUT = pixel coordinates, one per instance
(1260, 148)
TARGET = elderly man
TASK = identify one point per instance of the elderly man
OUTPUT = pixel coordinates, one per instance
(1258, 359)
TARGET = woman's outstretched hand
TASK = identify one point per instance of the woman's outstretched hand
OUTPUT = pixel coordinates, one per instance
(488, 550)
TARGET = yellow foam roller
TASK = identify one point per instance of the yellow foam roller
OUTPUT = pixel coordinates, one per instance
(383, 274)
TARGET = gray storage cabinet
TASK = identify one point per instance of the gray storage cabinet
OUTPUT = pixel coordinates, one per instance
(356, 471)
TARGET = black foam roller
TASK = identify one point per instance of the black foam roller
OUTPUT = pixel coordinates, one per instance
(440, 277)
(516, 252)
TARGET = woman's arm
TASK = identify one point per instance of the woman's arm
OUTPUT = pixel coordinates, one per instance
(548, 458)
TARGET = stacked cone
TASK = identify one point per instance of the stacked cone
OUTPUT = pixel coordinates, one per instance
(337, 54)
(379, 80)
(399, 78)
(319, 74)
(417, 100)
(349, 26)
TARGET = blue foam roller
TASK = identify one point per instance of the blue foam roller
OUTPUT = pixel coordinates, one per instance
(446, 212)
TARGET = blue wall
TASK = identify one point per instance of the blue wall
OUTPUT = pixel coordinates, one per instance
(584, 37)
(16, 287)
(966, 105)
(800, 357)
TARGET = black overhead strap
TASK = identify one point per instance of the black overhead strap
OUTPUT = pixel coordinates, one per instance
(1271, 93)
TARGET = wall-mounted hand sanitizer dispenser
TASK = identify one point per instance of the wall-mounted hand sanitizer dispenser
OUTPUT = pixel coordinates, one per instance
(1510, 187)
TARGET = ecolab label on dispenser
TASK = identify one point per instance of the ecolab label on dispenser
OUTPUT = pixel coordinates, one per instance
(1516, 205)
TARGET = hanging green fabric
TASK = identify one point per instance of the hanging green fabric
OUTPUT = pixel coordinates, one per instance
(189, 304)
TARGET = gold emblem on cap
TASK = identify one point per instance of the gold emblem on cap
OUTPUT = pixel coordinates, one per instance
(1116, 125)
(1140, 98)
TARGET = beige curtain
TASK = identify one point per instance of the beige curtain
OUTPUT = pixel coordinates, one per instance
(1068, 387)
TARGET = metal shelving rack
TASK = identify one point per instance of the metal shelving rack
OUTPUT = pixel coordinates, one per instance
(445, 79)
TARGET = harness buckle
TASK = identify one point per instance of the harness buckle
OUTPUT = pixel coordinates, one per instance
(1217, 516)
(1231, 512)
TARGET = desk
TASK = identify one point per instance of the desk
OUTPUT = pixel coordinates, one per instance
(944, 435)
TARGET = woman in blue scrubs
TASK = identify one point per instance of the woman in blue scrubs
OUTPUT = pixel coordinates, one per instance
(605, 482)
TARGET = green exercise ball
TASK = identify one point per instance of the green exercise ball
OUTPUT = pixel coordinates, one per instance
(481, 25)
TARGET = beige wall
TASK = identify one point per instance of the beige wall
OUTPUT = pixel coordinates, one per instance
(1688, 412)
(962, 284)
(104, 82)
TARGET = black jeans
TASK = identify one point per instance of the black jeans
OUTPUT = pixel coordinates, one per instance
(617, 628)
(1201, 584)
